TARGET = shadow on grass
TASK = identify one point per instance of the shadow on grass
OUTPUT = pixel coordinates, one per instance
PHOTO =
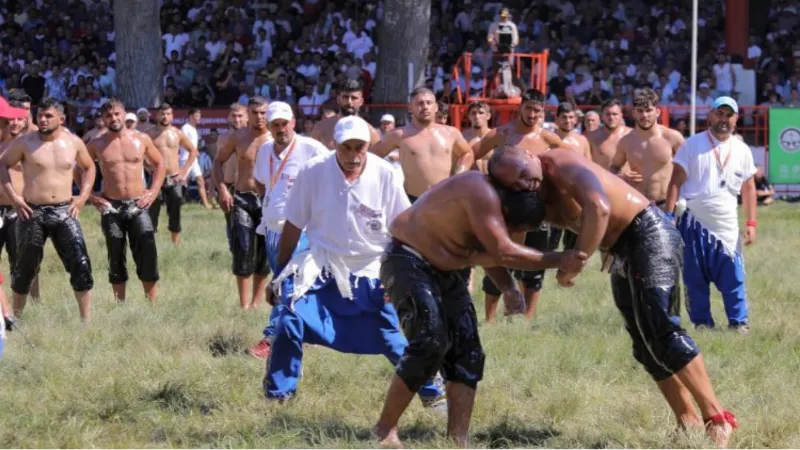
(227, 344)
(321, 432)
(181, 397)
(509, 434)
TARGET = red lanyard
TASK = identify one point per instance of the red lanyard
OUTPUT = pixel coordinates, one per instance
(274, 177)
(720, 163)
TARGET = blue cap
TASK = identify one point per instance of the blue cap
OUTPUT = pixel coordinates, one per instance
(726, 101)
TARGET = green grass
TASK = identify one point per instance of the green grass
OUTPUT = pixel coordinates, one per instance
(174, 375)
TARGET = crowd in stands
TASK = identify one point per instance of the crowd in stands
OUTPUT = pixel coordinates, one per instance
(217, 52)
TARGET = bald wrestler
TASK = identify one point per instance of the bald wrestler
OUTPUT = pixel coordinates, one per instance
(610, 215)
(432, 243)
(168, 140)
(123, 202)
(527, 133)
(604, 140)
(250, 263)
(426, 148)
(479, 116)
(350, 99)
(648, 150)
(237, 119)
(46, 207)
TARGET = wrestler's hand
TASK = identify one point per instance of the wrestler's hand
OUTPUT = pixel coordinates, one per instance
(22, 207)
(606, 261)
(146, 199)
(76, 206)
(180, 177)
(749, 235)
(565, 279)
(99, 202)
(225, 200)
(513, 302)
(572, 261)
(632, 177)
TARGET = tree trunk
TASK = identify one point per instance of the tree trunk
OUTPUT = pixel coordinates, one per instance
(403, 38)
(139, 52)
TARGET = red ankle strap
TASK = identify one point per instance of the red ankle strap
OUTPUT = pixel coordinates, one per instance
(723, 417)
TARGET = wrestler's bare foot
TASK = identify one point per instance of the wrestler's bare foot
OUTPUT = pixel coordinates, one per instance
(720, 433)
(388, 439)
(176, 238)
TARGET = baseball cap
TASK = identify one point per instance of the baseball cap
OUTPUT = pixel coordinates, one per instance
(130, 116)
(726, 101)
(9, 112)
(142, 110)
(351, 127)
(387, 118)
(279, 110)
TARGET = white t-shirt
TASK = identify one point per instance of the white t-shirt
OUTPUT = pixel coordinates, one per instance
(711, 192)
(194, 138)
(267, 166)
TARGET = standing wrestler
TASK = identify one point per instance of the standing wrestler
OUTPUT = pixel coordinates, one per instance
(143, 120)
(46, 207)
(648, 150)
(350, 99)
(124, 200)
(168, 140)
(479, 116)
(98, 129)
(237, 119)
(249, 248)
(426, 148)
(20, 97)
(604, 140)
(525, 132)
(611, 216)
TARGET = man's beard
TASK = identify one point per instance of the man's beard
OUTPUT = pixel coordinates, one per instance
(164, 123)
(347, 111)
(476, 126)
(643, 128)
(115, 128)
(46, 131)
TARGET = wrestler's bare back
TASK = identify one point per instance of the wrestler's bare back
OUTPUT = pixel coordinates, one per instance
(567, 175)
(651, 157)
(121, 162)
(167, 140)
(47, 166)
(604, 144)
(245, 144)
(438, 225)
(323, 132)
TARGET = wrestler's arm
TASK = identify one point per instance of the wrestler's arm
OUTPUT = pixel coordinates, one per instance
(501, 277)
(680, 167)
(485, 145)
(466, 158)
(86, 164)
(153, 157)
(619, 159)
(187, 144)
(95, 200)
(298, 214)
(225, 152)
(388, 142)
(290, 236)
(552, 139)
(588, 191)
(13, 154)
(376, 137)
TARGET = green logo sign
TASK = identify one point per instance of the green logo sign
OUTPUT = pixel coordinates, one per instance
(784, 145)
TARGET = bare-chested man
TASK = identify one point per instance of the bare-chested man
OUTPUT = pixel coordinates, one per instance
(604, 140)
(143, 123)
(433, 242)
(168, 140)
(611, 216)
(244, 204)
(98, 130)
(237, 119)
(13, 119)
(527, 133)
(479, 116)
(124, 199)
(648, 150)
(46, 206)
(426, 148)
(350, 100)
(20, 97)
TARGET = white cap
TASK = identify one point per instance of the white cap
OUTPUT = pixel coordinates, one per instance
(351, 127)
(131, 116)
(387, 118)
(279, 110)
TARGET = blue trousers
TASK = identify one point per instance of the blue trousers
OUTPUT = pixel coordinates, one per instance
(706, 260)
(365, 325)
(273, 239)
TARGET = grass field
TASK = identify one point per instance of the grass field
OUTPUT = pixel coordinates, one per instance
(144, 376)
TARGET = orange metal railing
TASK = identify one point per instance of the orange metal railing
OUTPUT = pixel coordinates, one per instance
(535, 62)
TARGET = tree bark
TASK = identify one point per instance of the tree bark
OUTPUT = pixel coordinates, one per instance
(138, 44)
(403, 38)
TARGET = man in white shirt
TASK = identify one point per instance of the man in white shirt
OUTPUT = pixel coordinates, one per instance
(277, 164)
(331, 294)
(195, 172)
(709, 171)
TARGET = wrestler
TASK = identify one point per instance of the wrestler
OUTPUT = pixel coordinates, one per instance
(237, 119)
(611, 216)
(46, 207)
(526, 132)
(249, 248)
(479, 116)
(647, 150)
(604, 140)
(462, 217)
(123, 202)
(168, 141)
(97, 131)
(350, 99)
(426, 148)
(20, 97)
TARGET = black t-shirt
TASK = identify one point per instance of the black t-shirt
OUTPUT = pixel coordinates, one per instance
(762, 183)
